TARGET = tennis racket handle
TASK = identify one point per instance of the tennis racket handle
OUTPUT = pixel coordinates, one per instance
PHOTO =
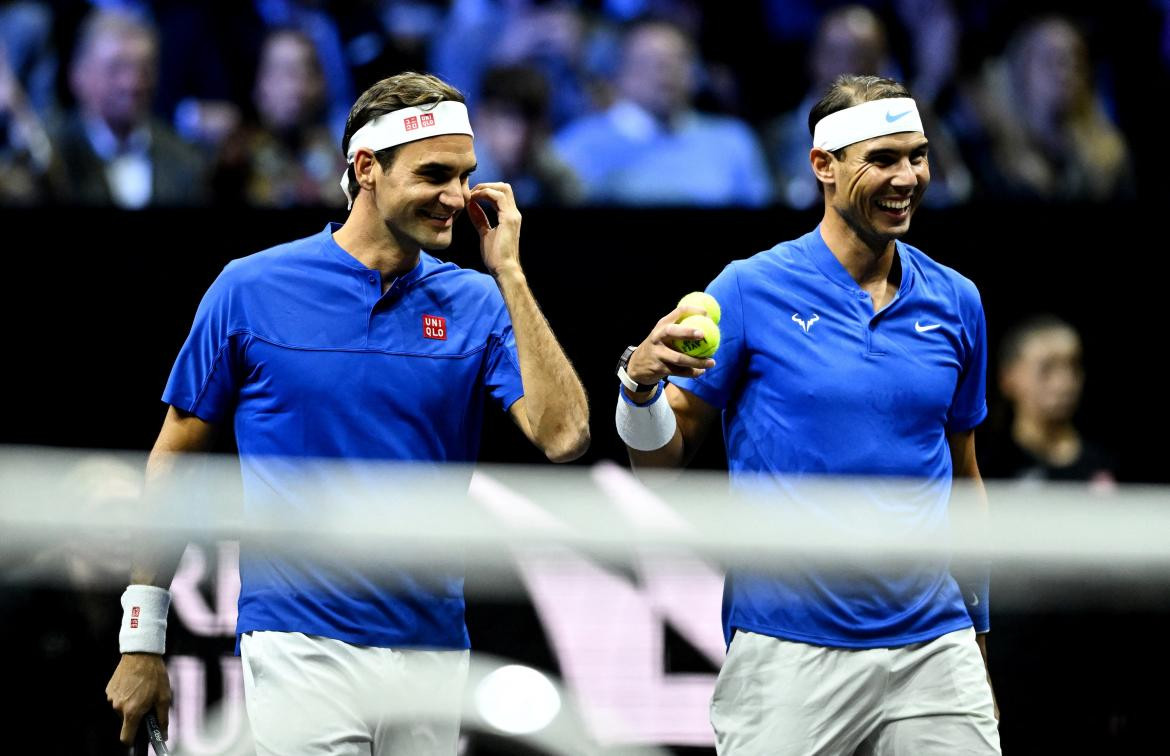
(154, 734)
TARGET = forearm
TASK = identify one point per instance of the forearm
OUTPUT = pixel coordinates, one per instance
(690, 418)
(154, 563)
(973, 572)
(669, 456)
(970, 508)
(156, 559)
(554, 399)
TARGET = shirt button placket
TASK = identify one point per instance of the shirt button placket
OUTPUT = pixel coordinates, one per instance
(372, 299)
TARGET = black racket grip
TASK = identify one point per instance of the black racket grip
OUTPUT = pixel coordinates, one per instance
(154, 735)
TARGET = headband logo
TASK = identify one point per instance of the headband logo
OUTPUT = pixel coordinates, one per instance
(428, 119)
(410, 122)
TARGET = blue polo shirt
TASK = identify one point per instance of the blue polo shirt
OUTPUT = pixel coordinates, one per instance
(811, 383)
(311, 361)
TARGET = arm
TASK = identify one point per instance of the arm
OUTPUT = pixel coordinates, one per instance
(654, 360)
(140, 681)
(694, 417)
(965, 466)
(554, 412)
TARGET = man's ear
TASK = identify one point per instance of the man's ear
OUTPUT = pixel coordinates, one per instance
(364, 166)
(823, 165)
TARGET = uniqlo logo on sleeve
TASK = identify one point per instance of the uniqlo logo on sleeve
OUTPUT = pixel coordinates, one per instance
(135, 611)
(133, 623)
(428, 119)
(435, 327)
(410, 122)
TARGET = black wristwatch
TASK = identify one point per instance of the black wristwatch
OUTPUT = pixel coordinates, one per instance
(630, 384)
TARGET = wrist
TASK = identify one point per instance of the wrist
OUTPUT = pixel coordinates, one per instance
(634, 388)
(509, 272)
(645, 427)
(642, 398)
(144, 619)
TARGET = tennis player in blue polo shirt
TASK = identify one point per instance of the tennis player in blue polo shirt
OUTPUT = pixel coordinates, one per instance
(351, 345)
(844, 353)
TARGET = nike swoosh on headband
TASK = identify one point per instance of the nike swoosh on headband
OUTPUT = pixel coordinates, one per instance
(890, 117)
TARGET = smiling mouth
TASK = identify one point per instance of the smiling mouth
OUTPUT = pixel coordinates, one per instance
(894, 206)
(438, 218)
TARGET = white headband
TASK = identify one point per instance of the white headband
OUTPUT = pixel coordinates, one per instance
(406, 125)
(865, 121)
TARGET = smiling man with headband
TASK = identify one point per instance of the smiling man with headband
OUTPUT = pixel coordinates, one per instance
(357, 344)
(402, 126)
(845, 352)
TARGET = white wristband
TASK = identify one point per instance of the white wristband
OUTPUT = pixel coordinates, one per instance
(645, 427)
(144, 619)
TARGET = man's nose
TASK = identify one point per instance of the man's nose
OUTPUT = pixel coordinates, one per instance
(455, 195)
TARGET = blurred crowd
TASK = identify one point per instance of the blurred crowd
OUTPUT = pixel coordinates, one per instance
(140, 103)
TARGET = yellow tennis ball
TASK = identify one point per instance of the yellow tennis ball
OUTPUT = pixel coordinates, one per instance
(704, 300)
(704, 347)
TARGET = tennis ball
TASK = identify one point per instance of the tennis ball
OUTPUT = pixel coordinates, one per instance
(704, 300)
(704, 347)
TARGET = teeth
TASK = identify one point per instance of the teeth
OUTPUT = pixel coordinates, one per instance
(899, 205)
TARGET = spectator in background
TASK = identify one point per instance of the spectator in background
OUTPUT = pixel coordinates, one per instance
(1041, 377)
(652, 147)
(28, 65)
(28, 163)
(853, 40)
(317, 20)
(288, 157)
(26, 31)
(462, 47)
(929, 29)
(389, 35)
(1049, 135)
(115, 151)
(512, 138)
(849, 40)
(550, 35)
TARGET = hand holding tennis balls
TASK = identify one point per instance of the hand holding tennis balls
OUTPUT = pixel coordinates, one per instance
(708, 324)
(681, 343)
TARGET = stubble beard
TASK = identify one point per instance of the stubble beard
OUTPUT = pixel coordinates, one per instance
(870, 237)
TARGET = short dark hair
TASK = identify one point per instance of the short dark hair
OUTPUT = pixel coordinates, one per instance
(404, 90)
(848, 90)
(1012, 345)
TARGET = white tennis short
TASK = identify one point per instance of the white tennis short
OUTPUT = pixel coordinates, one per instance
(311, 696)
(778, 697)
